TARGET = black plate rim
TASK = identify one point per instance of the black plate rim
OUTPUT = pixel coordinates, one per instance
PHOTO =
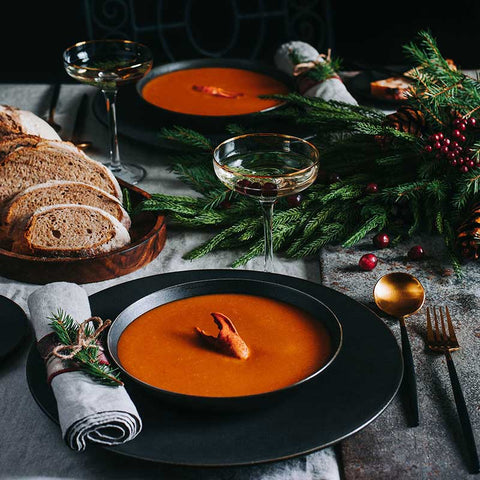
(20, 322)
(118, 449)
(226, 399)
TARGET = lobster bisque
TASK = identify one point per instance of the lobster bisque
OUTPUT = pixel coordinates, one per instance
(162, 347)
(213, 91)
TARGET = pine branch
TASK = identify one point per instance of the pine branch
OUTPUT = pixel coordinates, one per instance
(377, 221)
(66, 329)
(467, 187)
(186, 137)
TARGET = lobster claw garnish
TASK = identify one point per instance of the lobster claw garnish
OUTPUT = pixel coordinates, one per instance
(228, 341)
(216, 91)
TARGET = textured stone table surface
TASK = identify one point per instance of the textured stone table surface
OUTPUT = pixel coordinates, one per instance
(30, 445)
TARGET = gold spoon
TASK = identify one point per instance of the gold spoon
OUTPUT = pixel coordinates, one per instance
(401, 295)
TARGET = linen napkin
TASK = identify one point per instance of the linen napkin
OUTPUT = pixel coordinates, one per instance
(330, 89)
(88, 411)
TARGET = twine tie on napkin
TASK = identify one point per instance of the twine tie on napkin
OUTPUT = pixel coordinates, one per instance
(303, 67)
(83, 340)
(331, 88)
(88, 411)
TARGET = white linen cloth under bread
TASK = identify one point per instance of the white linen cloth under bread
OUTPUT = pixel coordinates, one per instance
(329, 89)
(88, 411)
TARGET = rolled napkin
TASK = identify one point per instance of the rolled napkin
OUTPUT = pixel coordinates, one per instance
(300, 59)
(88, 411)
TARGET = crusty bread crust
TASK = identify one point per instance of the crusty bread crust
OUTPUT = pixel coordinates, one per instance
(11, 142)
(15, 120)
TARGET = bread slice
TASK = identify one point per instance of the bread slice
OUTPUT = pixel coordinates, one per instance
(11, 142)
(52, 160)
(18, 211)
(397, 87)
(393, 88)
(67, 230)
(16, 121)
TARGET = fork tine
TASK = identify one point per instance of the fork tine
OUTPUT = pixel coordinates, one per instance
(430, 335)
(438, 338)
(442, 325)
(451, 330)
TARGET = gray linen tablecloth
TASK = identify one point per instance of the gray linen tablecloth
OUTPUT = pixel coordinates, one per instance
(31, 446)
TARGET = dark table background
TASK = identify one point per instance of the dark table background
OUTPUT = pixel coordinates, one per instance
(34, 34)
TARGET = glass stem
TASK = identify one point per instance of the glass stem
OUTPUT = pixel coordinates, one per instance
(267, 208)
(110, 97)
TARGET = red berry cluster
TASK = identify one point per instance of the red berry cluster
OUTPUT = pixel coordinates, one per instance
(453, 148)
(382, 240)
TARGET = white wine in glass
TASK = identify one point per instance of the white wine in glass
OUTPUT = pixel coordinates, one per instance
(109, 64)
(266, 166)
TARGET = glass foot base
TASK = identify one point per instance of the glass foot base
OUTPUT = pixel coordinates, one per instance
(127, 172)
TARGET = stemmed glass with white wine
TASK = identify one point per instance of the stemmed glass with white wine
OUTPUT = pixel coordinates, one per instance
(109, 64)
(266, 166)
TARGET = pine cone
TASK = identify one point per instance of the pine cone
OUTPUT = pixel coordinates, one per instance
(468, 236)
(406, 119)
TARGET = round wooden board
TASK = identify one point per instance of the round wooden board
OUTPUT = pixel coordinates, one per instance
(148, 233)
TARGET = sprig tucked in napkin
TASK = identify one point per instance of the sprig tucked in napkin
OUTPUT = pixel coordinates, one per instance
(88, 411)
(315, 74)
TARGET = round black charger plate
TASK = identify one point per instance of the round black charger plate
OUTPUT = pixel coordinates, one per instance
(351, 393)
(141, 121)
(14, 324)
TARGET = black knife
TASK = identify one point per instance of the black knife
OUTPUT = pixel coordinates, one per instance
(53, 105)
(79, 125)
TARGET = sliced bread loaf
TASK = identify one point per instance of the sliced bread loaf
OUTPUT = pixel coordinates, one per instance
(16, 121)
(18, 211)
(68, 230)
(52, 160)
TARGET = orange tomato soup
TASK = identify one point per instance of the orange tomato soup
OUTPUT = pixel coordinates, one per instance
(162, 348)
(180, 91)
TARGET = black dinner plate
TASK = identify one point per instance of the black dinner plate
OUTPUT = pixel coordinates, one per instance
(14, 324)
(350, 394)
(141, 121)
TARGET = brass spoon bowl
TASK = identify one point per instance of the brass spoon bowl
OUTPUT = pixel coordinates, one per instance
(400, 295)
(83, 145)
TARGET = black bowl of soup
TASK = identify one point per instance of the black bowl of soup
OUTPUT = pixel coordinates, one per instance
(211, 93)
(291, 337)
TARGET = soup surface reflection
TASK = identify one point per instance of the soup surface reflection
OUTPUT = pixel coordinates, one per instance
(162, 348)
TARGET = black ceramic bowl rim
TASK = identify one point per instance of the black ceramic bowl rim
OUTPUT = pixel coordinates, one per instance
(243, 64)
(197, 288)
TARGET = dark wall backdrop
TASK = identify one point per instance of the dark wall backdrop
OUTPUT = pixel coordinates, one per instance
(34, 34)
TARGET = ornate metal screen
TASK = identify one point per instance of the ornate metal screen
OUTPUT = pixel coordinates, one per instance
(184, 29)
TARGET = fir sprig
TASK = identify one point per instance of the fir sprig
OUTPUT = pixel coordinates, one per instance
(325, 68)
(66, 329)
